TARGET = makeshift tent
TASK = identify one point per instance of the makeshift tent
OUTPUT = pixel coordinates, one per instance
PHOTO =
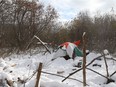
(68, 50)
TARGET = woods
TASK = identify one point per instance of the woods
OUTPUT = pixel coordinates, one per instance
(20, 20)
(101, 31)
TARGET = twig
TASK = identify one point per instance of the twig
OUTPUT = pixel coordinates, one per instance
(95, 59)
(31, 76)
(29, 42)
(97, 73)
(54, 75)
(38, 32)
(108, 79)
(111, 59)
(9, 82)
(113, 73)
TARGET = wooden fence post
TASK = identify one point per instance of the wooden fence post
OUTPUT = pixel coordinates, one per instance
(106, 65)
(38, 76)
(84, 59)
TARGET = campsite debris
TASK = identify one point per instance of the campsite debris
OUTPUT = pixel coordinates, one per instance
(21, 80)
(96, 65)
(68, 50)
(99, 59)
(110, 80)
(60, 72)
(9, 82)
(79, 64)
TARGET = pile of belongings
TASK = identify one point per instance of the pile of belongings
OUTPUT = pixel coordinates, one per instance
(68, 50)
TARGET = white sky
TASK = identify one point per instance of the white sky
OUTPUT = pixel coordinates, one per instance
(68, 9)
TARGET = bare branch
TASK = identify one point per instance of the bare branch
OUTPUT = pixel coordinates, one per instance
(62, 76)
(43, 44)
(97, 73)
(113, 74)
(82, 68)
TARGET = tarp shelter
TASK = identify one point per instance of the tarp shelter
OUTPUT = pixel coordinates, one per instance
(68, 50)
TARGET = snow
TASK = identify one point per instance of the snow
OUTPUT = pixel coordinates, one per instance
(59, 53)
(106, 51)
(23, 66)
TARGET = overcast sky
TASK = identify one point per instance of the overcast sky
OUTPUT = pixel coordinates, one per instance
(68, 9)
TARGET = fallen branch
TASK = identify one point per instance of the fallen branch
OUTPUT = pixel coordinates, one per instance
(30, 76)
(95, 59)
(111, 59)
(108, 79)
(29, 42)
(38, 32)
(113, 73)
(42, 43)
(62, 76)
(97, 73)
(82, 68)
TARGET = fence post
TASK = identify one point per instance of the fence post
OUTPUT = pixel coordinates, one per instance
(38, 75)
(106, 64)
(84, 59)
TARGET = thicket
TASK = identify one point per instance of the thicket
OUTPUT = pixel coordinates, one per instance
(20, 20)
(101, 30)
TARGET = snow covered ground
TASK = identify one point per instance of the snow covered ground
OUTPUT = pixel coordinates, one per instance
(20, 68)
